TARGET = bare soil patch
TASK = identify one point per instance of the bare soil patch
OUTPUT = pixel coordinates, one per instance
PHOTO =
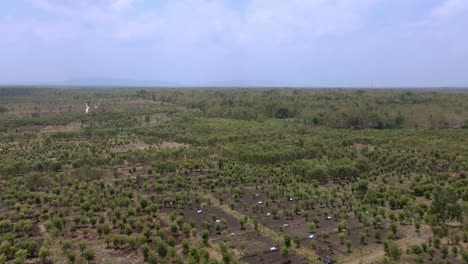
(142, 146)
(75, 126)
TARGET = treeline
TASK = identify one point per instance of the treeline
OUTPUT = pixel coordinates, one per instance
(337, 108)
(334, 108)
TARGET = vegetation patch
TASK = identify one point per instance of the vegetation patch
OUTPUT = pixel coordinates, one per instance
(233, 176)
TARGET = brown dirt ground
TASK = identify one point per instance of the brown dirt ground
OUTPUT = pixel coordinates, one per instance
(142, 146)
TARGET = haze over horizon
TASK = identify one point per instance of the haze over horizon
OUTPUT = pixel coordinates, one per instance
(347, 43)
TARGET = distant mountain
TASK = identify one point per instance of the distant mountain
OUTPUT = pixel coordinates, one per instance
(123, 82)
(148, 83)
(248, 83)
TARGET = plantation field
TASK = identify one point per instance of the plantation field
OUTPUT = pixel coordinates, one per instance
(233, 176)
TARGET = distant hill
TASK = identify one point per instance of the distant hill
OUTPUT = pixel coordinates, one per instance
(248, 83)
(148, 83)
(104, 81)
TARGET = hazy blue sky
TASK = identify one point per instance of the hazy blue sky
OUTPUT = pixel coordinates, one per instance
(190, 42)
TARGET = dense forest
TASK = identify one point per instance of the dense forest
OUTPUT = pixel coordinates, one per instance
(233, 175)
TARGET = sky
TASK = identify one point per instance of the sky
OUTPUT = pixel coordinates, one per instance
(345, 43)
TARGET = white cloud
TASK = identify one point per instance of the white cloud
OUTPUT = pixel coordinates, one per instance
(309, 18)
(450, 8)
(85, 10)
(269, 22)
(143, 27)
(262, 22)
(121, 4)
(206, 39)
(32, 29)
(66, 20)
(446, 20)
(445, 14)
(185, 21)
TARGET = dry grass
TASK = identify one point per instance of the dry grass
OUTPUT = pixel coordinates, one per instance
(75, 126)
(142, 146)
(376, 253)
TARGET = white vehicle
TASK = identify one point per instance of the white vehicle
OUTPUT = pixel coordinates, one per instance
(260, 202)
(329, 217)
(268, 214)
(285, 225)
(199, 211)
(312, 236)
(218, 221)
(272, 249)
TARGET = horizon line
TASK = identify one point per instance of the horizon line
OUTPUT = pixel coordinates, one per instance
(103, 86)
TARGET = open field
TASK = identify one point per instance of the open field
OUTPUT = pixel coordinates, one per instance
(233, 176)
